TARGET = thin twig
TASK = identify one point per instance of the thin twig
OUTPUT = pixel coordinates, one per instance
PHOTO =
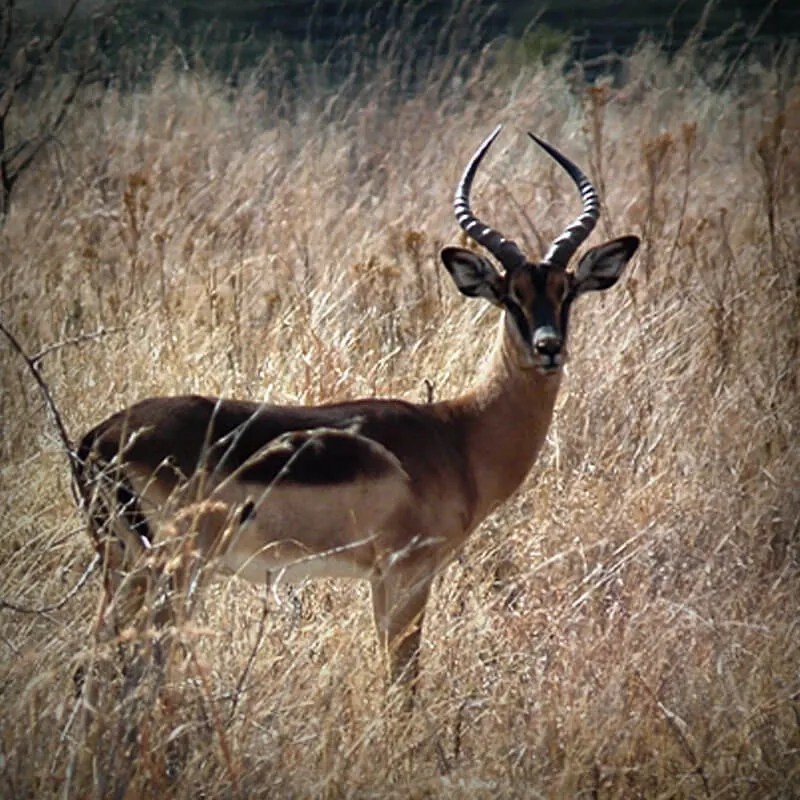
(79, 339)
(49, 402)
(21, 609)
(74, 465)
(240, 686)
(747, 44)
(445, 767)
(211, 706)
(675, 725)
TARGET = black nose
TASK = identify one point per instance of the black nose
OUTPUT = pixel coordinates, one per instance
(548, 343)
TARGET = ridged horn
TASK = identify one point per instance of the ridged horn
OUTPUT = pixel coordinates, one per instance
(564, 247)
(504, 250)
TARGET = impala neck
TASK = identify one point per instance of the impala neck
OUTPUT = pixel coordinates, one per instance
(507, 415)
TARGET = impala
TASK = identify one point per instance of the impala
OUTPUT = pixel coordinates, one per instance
(378, 489)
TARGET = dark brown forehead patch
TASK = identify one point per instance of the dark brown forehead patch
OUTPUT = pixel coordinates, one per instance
(556, 285)
(522, 286)
(535, 282)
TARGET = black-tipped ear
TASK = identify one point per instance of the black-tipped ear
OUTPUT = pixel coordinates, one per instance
(602, 266)
(474, 275)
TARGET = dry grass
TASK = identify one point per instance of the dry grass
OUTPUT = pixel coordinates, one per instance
(626, 627)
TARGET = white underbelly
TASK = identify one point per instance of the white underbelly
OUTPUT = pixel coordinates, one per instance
(298, 532)
(263, 568)
(293, 531)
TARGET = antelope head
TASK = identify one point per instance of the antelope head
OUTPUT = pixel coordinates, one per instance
(536, 295)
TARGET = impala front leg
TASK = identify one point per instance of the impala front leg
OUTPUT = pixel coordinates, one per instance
(398, 603)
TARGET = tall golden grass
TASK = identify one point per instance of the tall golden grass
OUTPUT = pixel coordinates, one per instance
(628, 626)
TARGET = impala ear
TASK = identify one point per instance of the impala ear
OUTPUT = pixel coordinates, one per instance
(601, 267)
(474, 275)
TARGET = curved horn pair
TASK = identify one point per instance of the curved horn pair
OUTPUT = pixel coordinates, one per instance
(506, 251)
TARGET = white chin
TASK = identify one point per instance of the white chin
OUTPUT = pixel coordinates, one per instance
(550, 366)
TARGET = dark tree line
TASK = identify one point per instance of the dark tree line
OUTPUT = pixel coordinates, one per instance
(53, 51)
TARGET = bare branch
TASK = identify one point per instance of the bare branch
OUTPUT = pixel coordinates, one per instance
(33, 56)
(7, 25)
(82, 581)
(75, 469)
(60, 27)
(55, 416)
(79, 339)
(243, 678)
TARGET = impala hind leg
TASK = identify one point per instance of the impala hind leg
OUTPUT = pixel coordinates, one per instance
(398, 605)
